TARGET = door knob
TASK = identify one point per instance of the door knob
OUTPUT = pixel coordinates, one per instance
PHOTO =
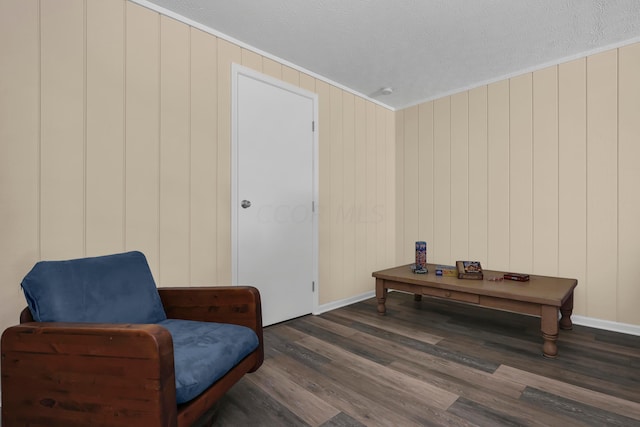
(245, 204)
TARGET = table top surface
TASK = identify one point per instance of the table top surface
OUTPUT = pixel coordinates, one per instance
(539, 289)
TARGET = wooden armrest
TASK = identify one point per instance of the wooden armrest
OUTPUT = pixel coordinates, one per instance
(87, 373)
(239, 305)
(223, 304)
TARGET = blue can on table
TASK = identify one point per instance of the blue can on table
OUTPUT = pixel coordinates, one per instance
(421, 257)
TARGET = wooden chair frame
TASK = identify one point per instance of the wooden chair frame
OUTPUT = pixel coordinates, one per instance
(79, 374)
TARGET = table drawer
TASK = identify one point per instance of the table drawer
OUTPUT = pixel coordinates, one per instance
(453, 295)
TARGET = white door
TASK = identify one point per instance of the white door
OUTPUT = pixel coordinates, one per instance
(273, 172)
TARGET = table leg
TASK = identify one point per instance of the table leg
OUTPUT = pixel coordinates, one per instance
(549, 326)
(381, 295)
(566, 310)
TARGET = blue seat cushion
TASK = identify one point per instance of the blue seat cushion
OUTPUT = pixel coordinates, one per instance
(106, 289)
(204, 351)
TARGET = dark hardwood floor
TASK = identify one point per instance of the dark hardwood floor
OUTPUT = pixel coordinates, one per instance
(435, 363)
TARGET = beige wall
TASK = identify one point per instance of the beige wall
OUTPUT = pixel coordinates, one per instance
(115, 130)
(115, 135)
(538, 173)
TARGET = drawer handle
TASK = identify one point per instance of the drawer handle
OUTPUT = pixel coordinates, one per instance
(447, 294)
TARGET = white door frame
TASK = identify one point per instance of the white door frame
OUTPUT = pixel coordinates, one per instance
(236, 71)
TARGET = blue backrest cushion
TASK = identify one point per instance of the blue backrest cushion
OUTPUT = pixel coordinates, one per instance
(106, 289)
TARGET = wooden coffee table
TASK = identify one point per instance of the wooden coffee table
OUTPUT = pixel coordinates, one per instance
(541, 296)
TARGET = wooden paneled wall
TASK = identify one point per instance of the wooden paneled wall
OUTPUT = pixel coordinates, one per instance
(115, 129)
(536, 174)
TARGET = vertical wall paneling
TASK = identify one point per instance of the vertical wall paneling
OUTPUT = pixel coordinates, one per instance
(602, 191)
(412, 174)
(400, 200)
(478, 173)
(116, 122)
(175, 153)
(105, 127)
(551, 177)
(371, 156)
(349, 212)
(324, 214)
(204, 157)
(520, 173)
(441, 248)
(228, 53)
(251, 59)
(362, 214)
(291, 76)
(498, 175)
(628, 179)
(307, 82)
(271, 68)
(545, 170)
(389, 212)
(572, 173)
(380, 183)
(19, 150)
(459, 176)
(142, 134)
(426, 186)
(337, 195)
(97, 150)
(62, 129)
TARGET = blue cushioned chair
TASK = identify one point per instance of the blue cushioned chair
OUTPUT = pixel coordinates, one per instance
(100, 344)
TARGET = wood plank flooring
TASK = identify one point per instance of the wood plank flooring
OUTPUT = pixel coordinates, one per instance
(435, 363)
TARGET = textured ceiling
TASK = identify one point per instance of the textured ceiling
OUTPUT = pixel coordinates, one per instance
(423, 49)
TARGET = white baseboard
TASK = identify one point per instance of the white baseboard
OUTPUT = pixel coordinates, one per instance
(344, 302)
(591, 322)
(607, 325)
